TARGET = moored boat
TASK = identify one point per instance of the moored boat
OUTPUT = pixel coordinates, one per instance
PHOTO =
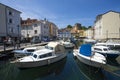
(111, 45)
(89, 41)
(25, 52)
(52, 52)
(67, 44)
(106, 51)
(88, 57)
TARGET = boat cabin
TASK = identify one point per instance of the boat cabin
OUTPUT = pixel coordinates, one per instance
(113, 46)
(56, 47)
(51, 49)
(101, 49)
(42, 54)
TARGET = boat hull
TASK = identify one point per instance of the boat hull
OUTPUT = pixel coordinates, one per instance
(41, 62)
(89, 61)
(109, 55)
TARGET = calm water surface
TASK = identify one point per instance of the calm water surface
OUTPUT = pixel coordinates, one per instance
(67, 69)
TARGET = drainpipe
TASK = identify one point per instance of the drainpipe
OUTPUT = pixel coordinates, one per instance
(6, 21)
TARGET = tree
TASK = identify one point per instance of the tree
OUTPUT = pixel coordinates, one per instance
(69, 26)
(84, 28)
(89, 27)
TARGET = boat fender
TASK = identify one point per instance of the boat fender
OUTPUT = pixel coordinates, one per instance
(48, 61)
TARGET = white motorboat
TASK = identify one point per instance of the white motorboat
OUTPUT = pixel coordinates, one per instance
(25, 52)
(111, 45)
(91, 41)
(88, 57)
(67, 44)
(106, 51)
(52, 52)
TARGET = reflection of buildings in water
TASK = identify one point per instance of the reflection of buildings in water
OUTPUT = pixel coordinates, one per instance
(8, 71)
(69, 51)
(11, 72)
(42, 72)
(111, 72)
(90, 72)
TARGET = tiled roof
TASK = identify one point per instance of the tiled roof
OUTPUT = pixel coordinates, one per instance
(28, 22)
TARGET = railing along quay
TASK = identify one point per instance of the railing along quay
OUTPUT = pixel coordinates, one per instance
(6, 51)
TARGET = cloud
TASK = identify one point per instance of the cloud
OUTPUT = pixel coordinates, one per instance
(35, 12)
(30, 9)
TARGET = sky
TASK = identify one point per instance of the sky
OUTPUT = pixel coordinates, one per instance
(63, 12)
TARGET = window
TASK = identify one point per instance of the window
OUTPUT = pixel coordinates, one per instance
(45, 55)
(49, 54)
(47, 47)
(35, 31)
(27, 35)
(10, 13)
(35, 56)
(105, 49)
(10, 21)
(97, 49)
(30, 50)
(35, 25)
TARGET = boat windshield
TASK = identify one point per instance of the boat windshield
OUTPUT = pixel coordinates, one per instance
(47, 47)
(34, 55)
(30, 50)
(105, 49)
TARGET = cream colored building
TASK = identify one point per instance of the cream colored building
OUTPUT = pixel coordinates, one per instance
(9, 22)
(107, 25)
(89, 33)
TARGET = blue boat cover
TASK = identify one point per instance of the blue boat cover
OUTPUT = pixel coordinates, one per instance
(85, 49)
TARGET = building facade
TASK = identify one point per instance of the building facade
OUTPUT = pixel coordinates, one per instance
(107, 26)
(77, 31)
(30, 28)
(64, 34)
(37, 28)
(89, 33)
(53, 30)
(10, 22)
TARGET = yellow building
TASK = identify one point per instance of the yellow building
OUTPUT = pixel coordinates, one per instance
(53, 30)
(77, 33)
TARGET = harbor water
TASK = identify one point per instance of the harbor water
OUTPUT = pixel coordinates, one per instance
(68, 68)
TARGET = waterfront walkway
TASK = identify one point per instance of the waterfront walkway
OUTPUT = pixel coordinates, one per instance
(23, 45)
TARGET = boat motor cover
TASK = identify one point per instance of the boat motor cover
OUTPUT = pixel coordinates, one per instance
(85, 49)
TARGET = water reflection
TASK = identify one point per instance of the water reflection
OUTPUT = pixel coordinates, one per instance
(90, 72)
(111, 72)
(67, 69)
(7, 71)
(10, 72)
